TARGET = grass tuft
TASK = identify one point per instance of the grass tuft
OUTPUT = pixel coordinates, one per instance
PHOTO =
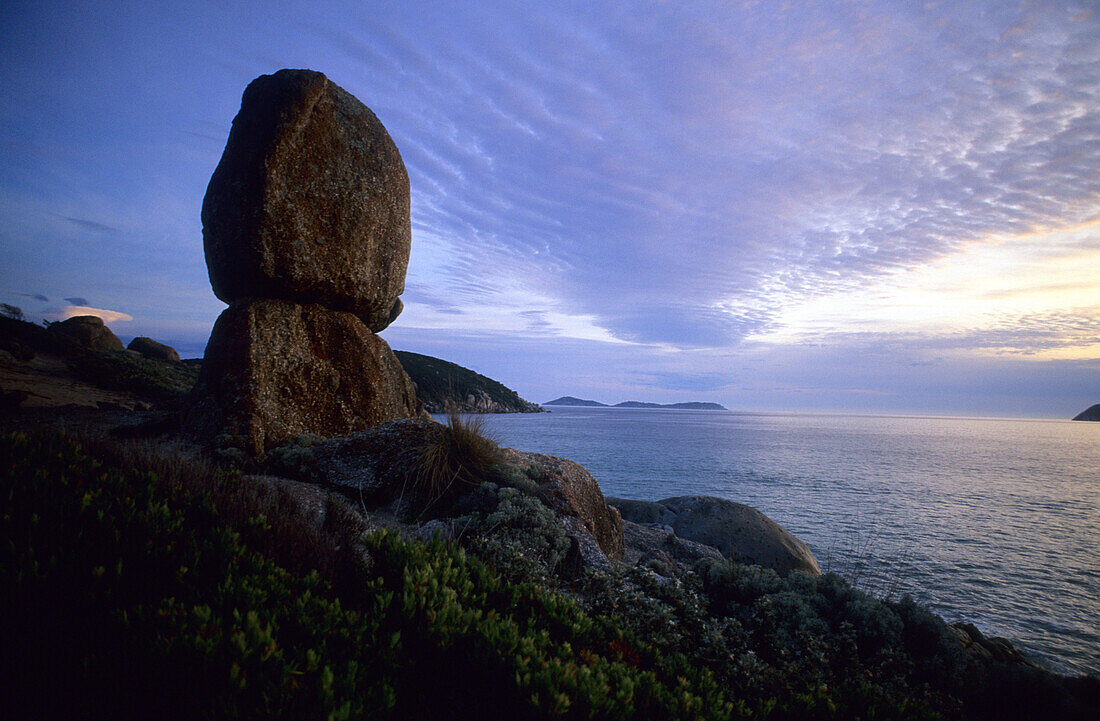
(458, 458)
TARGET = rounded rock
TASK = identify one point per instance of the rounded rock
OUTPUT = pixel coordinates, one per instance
(310, 201)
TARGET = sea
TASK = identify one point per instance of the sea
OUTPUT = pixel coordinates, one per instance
(993, 521)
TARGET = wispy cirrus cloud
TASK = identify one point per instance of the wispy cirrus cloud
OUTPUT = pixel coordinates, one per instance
(687, 176)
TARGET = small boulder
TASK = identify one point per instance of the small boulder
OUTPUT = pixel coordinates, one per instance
(572, 491)
(87, 332)
(373, 465)
(310, 202)
(646, 542)
(275, 370)
(153, 350)
(737, 530)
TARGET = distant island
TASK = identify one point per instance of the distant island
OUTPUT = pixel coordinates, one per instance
(1090, 414)
(690, 406)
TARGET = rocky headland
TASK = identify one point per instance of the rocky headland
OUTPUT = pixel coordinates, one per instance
(1092, 413)
(295, 537)
(443, 386)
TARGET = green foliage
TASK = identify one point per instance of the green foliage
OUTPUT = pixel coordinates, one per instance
(519, 536)
(137, 597)
(513, 476)
(140, 585)
(125, 371)
(295, 459)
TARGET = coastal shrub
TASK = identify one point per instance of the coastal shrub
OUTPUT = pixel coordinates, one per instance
(140, 583)
(138, 598)
(295, 459)
(519, 536)
(522, 478)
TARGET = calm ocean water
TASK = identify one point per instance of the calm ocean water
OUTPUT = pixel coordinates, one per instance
(992, 521)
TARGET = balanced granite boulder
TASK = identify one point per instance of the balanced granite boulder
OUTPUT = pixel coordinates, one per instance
(87, 332)
(310, 202)
(738, 531)
(274, 370)
(154, 350)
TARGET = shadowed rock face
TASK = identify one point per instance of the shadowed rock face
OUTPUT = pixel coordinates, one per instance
(88, 332)
(274, 370)
(310, 202)
(152, 349)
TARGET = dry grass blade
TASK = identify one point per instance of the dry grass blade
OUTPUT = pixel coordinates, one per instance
(461, 455)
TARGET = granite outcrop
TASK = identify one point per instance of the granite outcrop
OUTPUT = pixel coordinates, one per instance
(306, 231)
(86, 332)
(310, 202)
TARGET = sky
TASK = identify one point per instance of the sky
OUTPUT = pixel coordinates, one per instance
(861, 207)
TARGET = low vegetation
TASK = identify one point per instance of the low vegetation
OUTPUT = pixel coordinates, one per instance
(144, 584)
(126, 371)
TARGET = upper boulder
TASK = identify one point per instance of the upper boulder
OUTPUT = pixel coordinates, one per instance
(87, 332)
(310, 202)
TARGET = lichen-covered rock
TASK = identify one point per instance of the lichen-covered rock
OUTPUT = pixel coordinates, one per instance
(648, 543)
(737, 530)
(310, 202)
(152, 349)
(87, 332)
(275, 370)
(572, 491)
(373, 465)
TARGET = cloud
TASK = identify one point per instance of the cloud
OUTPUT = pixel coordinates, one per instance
(36, 296)
(77, 300)
(92, 225)
(691, 201)
(108, 316)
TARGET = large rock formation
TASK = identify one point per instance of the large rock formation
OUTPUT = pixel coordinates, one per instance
(87, 332)
(310, 202)
(737, 530)
(306, 230)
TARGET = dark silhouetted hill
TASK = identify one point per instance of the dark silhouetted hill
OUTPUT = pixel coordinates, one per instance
(441, 384)
(1090, 414)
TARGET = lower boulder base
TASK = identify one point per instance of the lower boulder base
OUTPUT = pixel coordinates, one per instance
(274, 370)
